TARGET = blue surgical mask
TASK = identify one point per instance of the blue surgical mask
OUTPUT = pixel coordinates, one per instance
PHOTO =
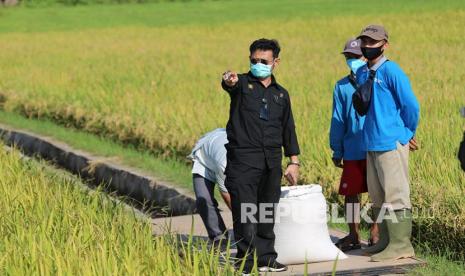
(260, 70)
(355, 63)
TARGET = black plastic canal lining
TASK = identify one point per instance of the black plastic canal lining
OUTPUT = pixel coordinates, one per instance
(155, 196)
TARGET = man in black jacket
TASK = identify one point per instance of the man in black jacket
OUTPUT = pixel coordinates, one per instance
(260, 125)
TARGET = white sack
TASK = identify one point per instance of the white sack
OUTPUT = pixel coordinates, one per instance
(301, 227)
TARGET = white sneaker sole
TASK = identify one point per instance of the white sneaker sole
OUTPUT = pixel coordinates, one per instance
(270, 269)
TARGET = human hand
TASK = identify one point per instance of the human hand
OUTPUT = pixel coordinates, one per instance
(413, 144)
(292, 174)
(230, 78)
(338, 162)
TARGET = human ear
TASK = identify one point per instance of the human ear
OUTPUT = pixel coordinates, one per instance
(277, 61)
(386, 45)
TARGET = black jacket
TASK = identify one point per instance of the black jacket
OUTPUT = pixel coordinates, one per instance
(251, 138)
(462, 152)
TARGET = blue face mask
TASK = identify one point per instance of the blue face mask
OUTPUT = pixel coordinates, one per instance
(355, 63)
(260, 70)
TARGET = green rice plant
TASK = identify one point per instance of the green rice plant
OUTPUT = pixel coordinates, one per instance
(152, 80)
(50, 225)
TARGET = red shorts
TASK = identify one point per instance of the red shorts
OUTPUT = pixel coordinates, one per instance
(354, 178)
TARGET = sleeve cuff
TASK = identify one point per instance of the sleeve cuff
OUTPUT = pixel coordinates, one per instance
(228, 88)
(291, 152)
(337, 154)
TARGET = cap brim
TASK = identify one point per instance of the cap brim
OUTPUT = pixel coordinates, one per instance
(351, 51)
(372, 36)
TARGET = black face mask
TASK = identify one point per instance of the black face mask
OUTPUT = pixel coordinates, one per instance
(372, 53)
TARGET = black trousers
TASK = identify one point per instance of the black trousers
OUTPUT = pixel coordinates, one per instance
(247, 186)
(462, 153)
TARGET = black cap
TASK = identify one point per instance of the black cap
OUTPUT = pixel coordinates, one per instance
(352, 46)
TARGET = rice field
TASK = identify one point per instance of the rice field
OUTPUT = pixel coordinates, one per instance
(50, 225)
(149, 75)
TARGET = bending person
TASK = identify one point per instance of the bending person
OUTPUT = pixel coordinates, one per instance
(209, 157)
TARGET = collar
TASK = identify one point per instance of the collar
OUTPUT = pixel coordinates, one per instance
(378, 64)
(252, 78)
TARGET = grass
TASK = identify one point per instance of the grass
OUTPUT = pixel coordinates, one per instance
(207, 13)
(81, 232)
(166, 168)
(437, 263)
(82, 226)
(148, 76)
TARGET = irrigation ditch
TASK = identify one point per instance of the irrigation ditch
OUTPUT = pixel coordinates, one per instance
(157, 197)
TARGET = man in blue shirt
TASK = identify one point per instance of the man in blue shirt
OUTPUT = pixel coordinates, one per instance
(345, 138)
(388, 134)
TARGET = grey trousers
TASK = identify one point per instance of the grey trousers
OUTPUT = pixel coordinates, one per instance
(207, 206)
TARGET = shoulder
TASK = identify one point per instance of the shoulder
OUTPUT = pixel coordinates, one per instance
(343, 86)
(282, 90)
(392, 73)
(344, 81)
(391, 68)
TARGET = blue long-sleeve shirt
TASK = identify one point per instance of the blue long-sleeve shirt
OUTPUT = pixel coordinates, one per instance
(345, 135)
(394, 110)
